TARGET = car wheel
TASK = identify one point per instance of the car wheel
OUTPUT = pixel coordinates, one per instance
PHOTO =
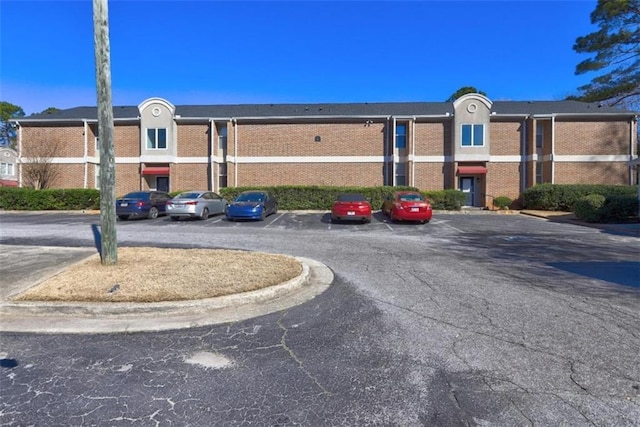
(204, 214)
(263, 214)
(426, 221)
(123, 217)
(174, 218)
(153, 213)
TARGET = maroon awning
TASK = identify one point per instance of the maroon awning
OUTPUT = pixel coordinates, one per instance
(155, 170)
(472, 170)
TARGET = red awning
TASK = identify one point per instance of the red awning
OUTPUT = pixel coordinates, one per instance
(472, 170)
(8, 183)
(156, 170)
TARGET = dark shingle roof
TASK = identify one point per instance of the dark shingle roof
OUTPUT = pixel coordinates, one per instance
(338, 110)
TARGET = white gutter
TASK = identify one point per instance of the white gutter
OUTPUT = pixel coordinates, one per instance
(235, 152)
(212, 129)
(393, 145)
(413, 152)
(18, 160)
(523, 153)
(634, 132)
(553, 149)
(86, 153)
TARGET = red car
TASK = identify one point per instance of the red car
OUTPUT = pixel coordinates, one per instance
(407, 206)
(351, 207)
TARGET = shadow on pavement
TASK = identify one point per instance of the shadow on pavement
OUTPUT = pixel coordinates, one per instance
(626, 273)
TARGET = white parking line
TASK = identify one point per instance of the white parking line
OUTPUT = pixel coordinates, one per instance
(444, 222)
(280, 216)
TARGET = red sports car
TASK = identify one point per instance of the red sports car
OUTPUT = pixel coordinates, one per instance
(407, 206)
(351, 207)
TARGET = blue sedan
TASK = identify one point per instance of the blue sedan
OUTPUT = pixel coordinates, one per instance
(146, 204)
(252, 205)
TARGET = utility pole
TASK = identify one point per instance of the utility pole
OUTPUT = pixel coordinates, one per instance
(109, 241)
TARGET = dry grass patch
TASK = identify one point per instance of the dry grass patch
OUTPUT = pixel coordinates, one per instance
(158, 274)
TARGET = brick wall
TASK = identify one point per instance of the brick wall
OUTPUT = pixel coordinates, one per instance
(53, 142)
(505, 138)
(193, 140)
(429, 176)
(592, 138)
(592, 173)
(431, 139)
(503, 179)
(349, 174)
(345, 139)
(189, 176)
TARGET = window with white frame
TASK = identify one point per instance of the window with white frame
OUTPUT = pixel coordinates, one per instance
(222, 138)
(222, 175)
(156, 139)
(472, 135)
(539, 176)
(539, 134)
(97, 176)
(6, 169)
(401, 173)
(401, 135)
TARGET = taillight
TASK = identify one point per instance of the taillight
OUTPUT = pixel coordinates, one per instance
(398, 206)
(191, 203)
(169, 202)
(140, 204)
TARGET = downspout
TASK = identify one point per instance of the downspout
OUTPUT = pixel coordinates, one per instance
(413, 152)
(553, 149)
(523, 154)
(86, 154)
(19, 159)
(634, 132)
(213, 180)
(393, 153)
(235, 152)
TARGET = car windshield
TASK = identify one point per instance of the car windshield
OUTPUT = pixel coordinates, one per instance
(188, 196)
(250, 197)
(351, 198)
(137, 195)
(411, 198)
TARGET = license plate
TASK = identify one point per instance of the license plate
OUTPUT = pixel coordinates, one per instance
(351, 213)
(124, 204)
(415, 209)
(178, 205)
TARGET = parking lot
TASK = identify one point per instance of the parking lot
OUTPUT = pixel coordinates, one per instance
(472, 319)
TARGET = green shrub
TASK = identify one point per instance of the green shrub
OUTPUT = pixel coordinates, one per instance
(502, 202)
(589, 208)
(618, 208)
(12, 198)
(562, 197)
(449, 200)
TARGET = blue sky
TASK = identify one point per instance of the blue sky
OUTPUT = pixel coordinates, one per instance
(223, 52)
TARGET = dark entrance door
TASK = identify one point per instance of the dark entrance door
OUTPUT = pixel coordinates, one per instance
(162, 183)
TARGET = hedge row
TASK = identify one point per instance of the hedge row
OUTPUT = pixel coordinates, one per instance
(13, 198)
(559, 197)
(288, 197)
(598, 208)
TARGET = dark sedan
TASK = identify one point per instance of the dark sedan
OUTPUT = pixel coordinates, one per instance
(146, 204)
(252, 205)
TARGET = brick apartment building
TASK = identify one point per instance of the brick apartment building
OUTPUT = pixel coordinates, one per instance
(484, 148)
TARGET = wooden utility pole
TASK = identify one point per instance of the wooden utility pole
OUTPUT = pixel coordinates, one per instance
(109, 241)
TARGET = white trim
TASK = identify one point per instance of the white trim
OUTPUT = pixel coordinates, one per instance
(472, 157)
(309, 159)
(430, 159)
(592, 158)
(505, 159)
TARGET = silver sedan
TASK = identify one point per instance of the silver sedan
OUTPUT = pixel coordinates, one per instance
(195, 204)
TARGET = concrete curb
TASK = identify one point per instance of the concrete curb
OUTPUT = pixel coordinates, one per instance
(87, 318)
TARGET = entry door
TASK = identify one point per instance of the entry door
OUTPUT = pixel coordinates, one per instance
(162, 183)
(467, 186)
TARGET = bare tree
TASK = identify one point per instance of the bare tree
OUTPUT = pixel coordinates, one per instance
(37, 162)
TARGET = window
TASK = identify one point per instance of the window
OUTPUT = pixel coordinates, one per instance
(97, 144)
(156, 139)
(222, 137)
(222, 175)
(97, 176)
(6, 168)
(539, 134)
(401, 135)
(472, 135)
(539, 172)
(401, 174)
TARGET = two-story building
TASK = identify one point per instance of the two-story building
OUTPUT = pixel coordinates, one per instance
(482, 147)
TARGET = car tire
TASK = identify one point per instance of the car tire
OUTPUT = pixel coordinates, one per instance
(174, 218)
(204, 214)
(153, 213)
(426, 221)
(263, 214)
(123, 217)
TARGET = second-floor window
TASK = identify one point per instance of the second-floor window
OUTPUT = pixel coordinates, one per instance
(6, 169)
(472, 135)
(401, 135)
(156, 139)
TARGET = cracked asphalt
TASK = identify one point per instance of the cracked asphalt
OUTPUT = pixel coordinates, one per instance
(471, 320)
